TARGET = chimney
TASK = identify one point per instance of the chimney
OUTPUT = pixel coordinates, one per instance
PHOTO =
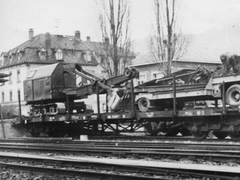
(77, 34)
(47, 41)
(30, 33)
(88, 38)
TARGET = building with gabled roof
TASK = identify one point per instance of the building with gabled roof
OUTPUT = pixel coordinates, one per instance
(44, 48)
(149, 69)
(40, 50)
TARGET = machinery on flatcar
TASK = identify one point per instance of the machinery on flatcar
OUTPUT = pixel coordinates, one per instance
(57, 102)
(198, 101)
(190, 101)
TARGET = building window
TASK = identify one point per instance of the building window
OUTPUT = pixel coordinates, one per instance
(59, 55)
(19, 55)
(88, 56)
(10, 57)
(10, 78)
(3, 58)
(18, 76)
(32, 73)
(43, 54)
(3, 97)
(156, 75)
(11, 96)
(142, 79)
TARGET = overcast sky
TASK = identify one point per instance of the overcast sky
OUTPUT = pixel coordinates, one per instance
(66, 16)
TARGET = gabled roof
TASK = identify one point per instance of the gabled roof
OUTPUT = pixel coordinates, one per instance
(73, 49)
(146, 59)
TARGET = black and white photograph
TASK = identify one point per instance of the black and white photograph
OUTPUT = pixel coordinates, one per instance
(119, 89)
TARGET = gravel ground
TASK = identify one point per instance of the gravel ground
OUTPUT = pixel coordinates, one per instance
(9, 174)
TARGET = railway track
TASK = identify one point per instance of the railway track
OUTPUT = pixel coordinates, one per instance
(214, 156)
(133, 149)
(125, 149)
(110, 169)
(127, 137)
(128, 143)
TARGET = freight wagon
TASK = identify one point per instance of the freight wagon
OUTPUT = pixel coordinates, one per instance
(190, 101)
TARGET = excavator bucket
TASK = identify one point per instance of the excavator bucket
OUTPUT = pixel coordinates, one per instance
(114, 99)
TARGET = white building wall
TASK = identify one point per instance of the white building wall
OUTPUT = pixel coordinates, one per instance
(14, 86)
(91, 102)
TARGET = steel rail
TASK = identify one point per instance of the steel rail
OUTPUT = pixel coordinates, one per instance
(140, 138)
(129, 141)
(123, 152)
(129, 144)
(116, 170)
(122, 147)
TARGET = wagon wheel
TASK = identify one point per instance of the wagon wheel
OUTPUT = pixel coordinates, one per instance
(233, 95)
(127, 72)
(172, 132)
(56, 132)
(150, 129)
(235, 136)
(162, 127)
(220, 135)
(72, 132)
(143, 104)
(200, 135)
(35, 134)
(51, 131)
(185, 132)
(164, 131)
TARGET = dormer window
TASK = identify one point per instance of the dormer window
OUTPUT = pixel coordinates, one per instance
(10, 57)
(19, 54)
(88, 56)
(4, 59)
(42, 54)
(59, 55)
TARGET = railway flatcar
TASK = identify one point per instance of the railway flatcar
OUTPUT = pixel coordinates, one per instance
(193, 101)
(197, 101)
(56, 101)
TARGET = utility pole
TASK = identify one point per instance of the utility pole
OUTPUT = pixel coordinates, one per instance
(2, 81)
(2, 123)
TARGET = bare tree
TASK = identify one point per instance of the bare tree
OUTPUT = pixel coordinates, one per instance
(168, 43)
(114, 17)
